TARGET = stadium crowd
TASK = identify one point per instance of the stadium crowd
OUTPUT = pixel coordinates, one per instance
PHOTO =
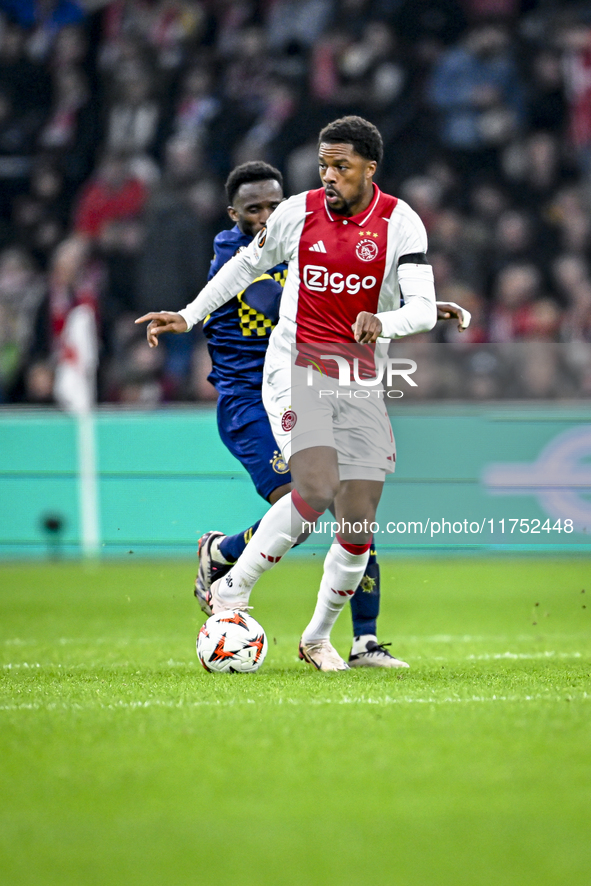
(120, 121)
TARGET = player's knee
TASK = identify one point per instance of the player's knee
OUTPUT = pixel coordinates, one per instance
(319, 493)
(315, 475)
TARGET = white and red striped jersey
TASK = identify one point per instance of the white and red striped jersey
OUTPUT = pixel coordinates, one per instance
(337, 267)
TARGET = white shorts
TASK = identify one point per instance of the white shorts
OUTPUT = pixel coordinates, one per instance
(308, 409)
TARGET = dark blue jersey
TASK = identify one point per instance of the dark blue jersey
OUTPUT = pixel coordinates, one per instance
(238, 332)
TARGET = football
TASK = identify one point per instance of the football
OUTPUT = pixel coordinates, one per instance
(231, 642)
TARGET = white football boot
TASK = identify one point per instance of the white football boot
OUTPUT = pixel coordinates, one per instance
(322, 655)
(217, 604)
(375, 655)
(210, 568)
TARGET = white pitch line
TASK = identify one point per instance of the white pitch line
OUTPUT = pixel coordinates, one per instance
(125, 641)
(400, 638)
(498, 656)
(93, 665)
(522, 655)
(91, 641)
(386, 700)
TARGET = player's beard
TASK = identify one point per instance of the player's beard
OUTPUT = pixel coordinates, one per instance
(346, 205)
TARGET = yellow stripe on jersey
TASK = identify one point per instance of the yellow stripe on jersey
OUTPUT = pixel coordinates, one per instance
(253, 322)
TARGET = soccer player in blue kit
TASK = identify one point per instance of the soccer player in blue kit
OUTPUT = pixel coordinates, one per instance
(238, 335)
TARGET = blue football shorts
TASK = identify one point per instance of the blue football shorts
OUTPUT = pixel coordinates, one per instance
(245, 430)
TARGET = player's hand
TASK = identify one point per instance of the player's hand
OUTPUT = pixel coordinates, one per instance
(367, 328)
(449, 310)
(162, 321)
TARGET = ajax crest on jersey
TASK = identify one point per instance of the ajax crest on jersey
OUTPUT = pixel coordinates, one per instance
(367, 250)
(231, 642)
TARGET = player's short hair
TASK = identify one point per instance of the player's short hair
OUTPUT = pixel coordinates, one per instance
(253, 171)
(358, 132)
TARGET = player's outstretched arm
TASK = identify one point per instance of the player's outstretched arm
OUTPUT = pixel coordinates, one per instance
(367, 328)
(160, 322)
(449, 310)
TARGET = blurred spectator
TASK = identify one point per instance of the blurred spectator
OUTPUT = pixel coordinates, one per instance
(132, 121)
(515, 242)
(132, 376)
(38, 383)
(543, 321)
(70, 48)
(546, 100)
(429, 26)
(17, 141)
(70, 94)
(324, 69)
(196, 107)
(20, 79)
(174, 260)
(123, 57)
(569, 215)
(537, 167)
(575, 39)
(44, 18)
(21, 292)
(112, 195)
(478, 93)
(40, 216)
(50, 14)
(486, 204)
(175, 254)
(452, 235)
(24, 94)
(487, 200)
(71, 131)
(299, 22)
(572, 278)
(489, 9)
(517, 288)
(109, 217)
(172, 28)
(76, 277)
(164, 27)
(278, 106)
(247, 73)
(424, 194)
(364, 74)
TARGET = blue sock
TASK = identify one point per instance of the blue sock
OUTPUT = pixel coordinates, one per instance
(232, 545)
(365, 602)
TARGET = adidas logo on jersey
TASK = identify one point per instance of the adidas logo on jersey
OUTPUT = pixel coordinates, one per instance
(318, 247)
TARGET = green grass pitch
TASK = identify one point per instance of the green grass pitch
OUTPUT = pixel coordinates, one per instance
(123, 763)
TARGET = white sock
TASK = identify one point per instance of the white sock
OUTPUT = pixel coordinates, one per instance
(277, 532)
(360, 643)
(343, 570)
(216, 554)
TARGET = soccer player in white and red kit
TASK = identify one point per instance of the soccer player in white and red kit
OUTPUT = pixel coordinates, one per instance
(352, 250)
